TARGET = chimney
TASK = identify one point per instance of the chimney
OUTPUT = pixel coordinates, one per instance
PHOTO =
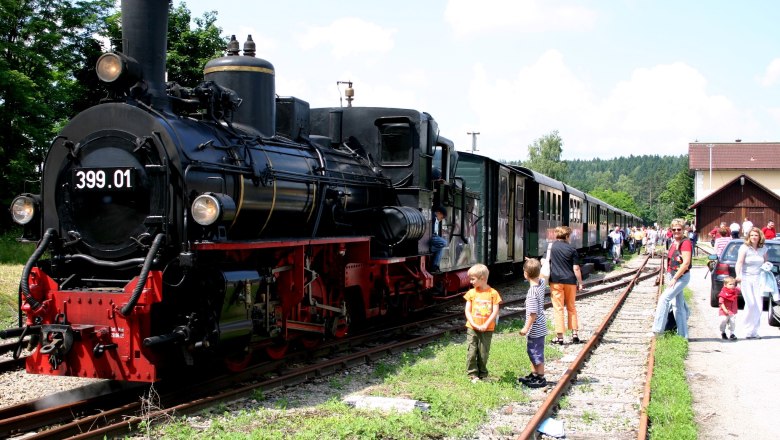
(144, 38)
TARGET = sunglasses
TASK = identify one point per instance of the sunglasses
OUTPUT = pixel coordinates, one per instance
(676, 229)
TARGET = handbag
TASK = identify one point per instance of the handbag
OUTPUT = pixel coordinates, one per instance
(545, 272)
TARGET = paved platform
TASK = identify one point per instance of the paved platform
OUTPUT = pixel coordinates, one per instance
(734, 384)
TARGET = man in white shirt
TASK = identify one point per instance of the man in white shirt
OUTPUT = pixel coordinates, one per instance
(747, 225)
(652, 239)
(617, 243)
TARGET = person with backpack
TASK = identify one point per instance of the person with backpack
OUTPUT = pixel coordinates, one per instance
(677, 277)
(694, 237)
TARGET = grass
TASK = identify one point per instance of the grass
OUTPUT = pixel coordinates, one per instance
(13, 256)
(11, 251)
(700, 260)
(671, 405)
(434, 374)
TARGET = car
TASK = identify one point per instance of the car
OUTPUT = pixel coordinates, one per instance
(723, 266)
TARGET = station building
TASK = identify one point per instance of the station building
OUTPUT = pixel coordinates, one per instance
(734, 181)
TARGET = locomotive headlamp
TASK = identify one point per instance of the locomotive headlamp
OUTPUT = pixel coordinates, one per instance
(23, 209)
(116, 68)
(209, 208)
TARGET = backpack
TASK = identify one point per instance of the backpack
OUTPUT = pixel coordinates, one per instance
(676, 259)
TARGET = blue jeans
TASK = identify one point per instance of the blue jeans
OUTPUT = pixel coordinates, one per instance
(673, 294)
(437, 248)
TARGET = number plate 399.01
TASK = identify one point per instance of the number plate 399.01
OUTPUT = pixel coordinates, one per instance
(103, 179)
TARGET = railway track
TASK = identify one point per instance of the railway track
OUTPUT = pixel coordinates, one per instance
(8, 363)
(112, 409)
(600, 389)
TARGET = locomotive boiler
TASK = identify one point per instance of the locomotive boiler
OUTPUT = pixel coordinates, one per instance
(178, 225)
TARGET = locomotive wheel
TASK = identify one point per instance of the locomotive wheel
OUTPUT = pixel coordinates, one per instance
(238, 362)
(277, 350)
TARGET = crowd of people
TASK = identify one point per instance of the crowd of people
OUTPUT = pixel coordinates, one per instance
(565, 280)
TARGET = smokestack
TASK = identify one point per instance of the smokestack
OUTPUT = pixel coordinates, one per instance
(144, 38)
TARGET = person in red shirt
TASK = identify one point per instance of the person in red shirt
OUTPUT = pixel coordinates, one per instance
(727, 300)
(715, 232)
(769, 230)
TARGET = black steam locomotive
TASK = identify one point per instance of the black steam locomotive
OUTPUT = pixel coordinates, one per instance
(178, 225)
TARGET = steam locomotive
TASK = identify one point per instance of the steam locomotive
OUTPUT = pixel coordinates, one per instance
(180, 225)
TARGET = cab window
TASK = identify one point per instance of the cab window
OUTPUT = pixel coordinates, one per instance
(396, 144)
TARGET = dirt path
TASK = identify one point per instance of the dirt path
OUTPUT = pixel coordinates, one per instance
(734, 384)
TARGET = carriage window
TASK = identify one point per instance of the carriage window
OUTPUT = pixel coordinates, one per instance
(550, 207)
(541, 205)
(396, 144)
(519, 203)
(503, 196)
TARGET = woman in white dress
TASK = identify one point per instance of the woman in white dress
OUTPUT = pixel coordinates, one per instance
(752, 254)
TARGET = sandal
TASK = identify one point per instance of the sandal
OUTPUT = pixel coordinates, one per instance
(556, 341)
(575, 339)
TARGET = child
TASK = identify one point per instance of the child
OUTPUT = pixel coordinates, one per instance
(535, 324)
(481, 314)
(728, 307)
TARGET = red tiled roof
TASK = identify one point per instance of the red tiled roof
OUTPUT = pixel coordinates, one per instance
(734, 156)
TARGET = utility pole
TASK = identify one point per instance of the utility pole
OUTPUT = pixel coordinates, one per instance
(473, 140)
(710, 147)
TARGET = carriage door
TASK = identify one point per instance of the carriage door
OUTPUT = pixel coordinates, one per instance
(519, 212)
(504, 233)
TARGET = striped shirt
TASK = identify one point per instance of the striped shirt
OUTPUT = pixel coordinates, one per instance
(534, 303)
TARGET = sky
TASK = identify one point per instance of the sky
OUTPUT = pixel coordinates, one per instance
(614, 78)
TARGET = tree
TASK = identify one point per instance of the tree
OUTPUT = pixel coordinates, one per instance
(544, 156)
(189, 48)
(673, 202)
(644, 177)
(600, 180)
(43, 45)
(618, 199)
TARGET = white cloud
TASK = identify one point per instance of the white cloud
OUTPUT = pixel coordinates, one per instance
(772, 74)
(774, 113)
(469, 17)
(349, 36)
(263, 43)
(537, 100)
(656, 110)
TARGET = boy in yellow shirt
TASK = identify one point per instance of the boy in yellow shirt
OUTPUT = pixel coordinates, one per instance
(481, 315)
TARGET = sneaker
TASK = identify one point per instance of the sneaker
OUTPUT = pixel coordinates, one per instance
(537, 382)
(525, 379)
(733, 337)
(723, 336)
